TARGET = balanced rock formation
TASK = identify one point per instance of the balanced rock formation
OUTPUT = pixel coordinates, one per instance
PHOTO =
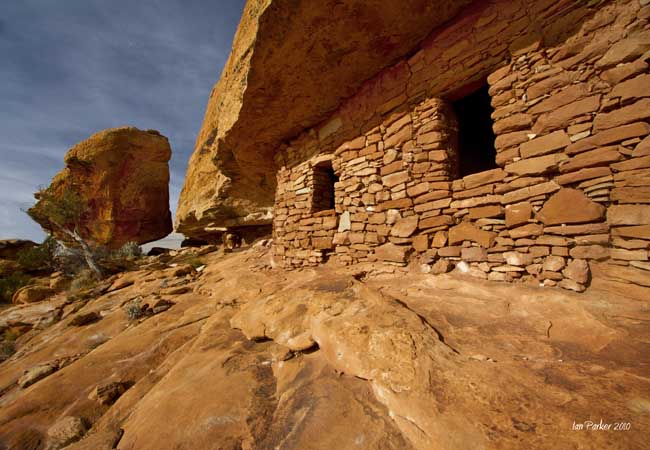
(292, 63)
(122, 174)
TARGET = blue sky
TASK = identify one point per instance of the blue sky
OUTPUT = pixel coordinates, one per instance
(70, 68)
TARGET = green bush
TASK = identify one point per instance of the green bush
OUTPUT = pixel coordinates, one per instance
(69, 258)
(133, 309)
(193, 261)
(7, 348)
(10, 284)
(39, 257)
(7, 344)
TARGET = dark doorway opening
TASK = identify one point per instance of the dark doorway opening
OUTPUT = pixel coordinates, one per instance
(323, 190)
(476, 151)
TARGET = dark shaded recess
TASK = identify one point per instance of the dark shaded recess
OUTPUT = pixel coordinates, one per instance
(476, 149)
(324, 179)
(192, 242)
(251, 233)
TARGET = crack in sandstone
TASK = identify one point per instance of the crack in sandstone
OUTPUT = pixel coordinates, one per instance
(424, 320)
(629, 318)
(183, 325)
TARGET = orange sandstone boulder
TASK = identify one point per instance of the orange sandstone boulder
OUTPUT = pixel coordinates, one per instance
(123, 176)
(31, 294)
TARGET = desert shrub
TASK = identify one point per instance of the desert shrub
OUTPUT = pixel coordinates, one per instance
(133, 310)
(83, 280)
(69, 260)
(53, 255)
(193, 261)
(7, 348)
(61, 212)
(81, 296)
(9, 335)
(129, 250)
(113, 261)
(7, 344)
(39, 257)
(10, 284)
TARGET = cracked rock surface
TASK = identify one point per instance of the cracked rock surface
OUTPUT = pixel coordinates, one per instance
(249, 357)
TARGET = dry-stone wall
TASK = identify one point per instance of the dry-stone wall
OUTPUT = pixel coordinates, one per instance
(570, 88)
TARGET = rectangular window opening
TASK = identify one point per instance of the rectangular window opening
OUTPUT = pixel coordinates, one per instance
(476, 151)
(323, 188)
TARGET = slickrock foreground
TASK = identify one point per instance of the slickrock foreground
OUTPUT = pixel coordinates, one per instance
(236, 355)
(122, 174)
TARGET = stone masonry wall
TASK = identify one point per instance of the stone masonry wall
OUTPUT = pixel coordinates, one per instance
(569, 83)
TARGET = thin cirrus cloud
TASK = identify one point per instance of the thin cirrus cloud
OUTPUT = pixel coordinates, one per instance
(72, 68)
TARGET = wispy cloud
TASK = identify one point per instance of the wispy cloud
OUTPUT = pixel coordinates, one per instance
(70, 69)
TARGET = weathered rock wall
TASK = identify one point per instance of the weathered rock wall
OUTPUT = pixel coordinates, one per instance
(569, 87)
(122, 175)
(292, 64)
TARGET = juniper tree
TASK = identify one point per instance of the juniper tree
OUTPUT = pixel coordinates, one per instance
(61, 213)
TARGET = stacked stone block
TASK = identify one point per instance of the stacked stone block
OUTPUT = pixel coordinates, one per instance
(571, 118)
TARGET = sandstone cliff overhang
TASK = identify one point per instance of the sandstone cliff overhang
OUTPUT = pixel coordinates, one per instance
(122, 176)
(292, 63)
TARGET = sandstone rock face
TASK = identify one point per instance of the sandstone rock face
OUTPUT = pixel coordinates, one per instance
(292, 63)
(123, 175)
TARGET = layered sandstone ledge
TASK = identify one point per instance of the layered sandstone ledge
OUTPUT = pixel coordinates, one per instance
(291, 65)
(122, 175)
(569, 87)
